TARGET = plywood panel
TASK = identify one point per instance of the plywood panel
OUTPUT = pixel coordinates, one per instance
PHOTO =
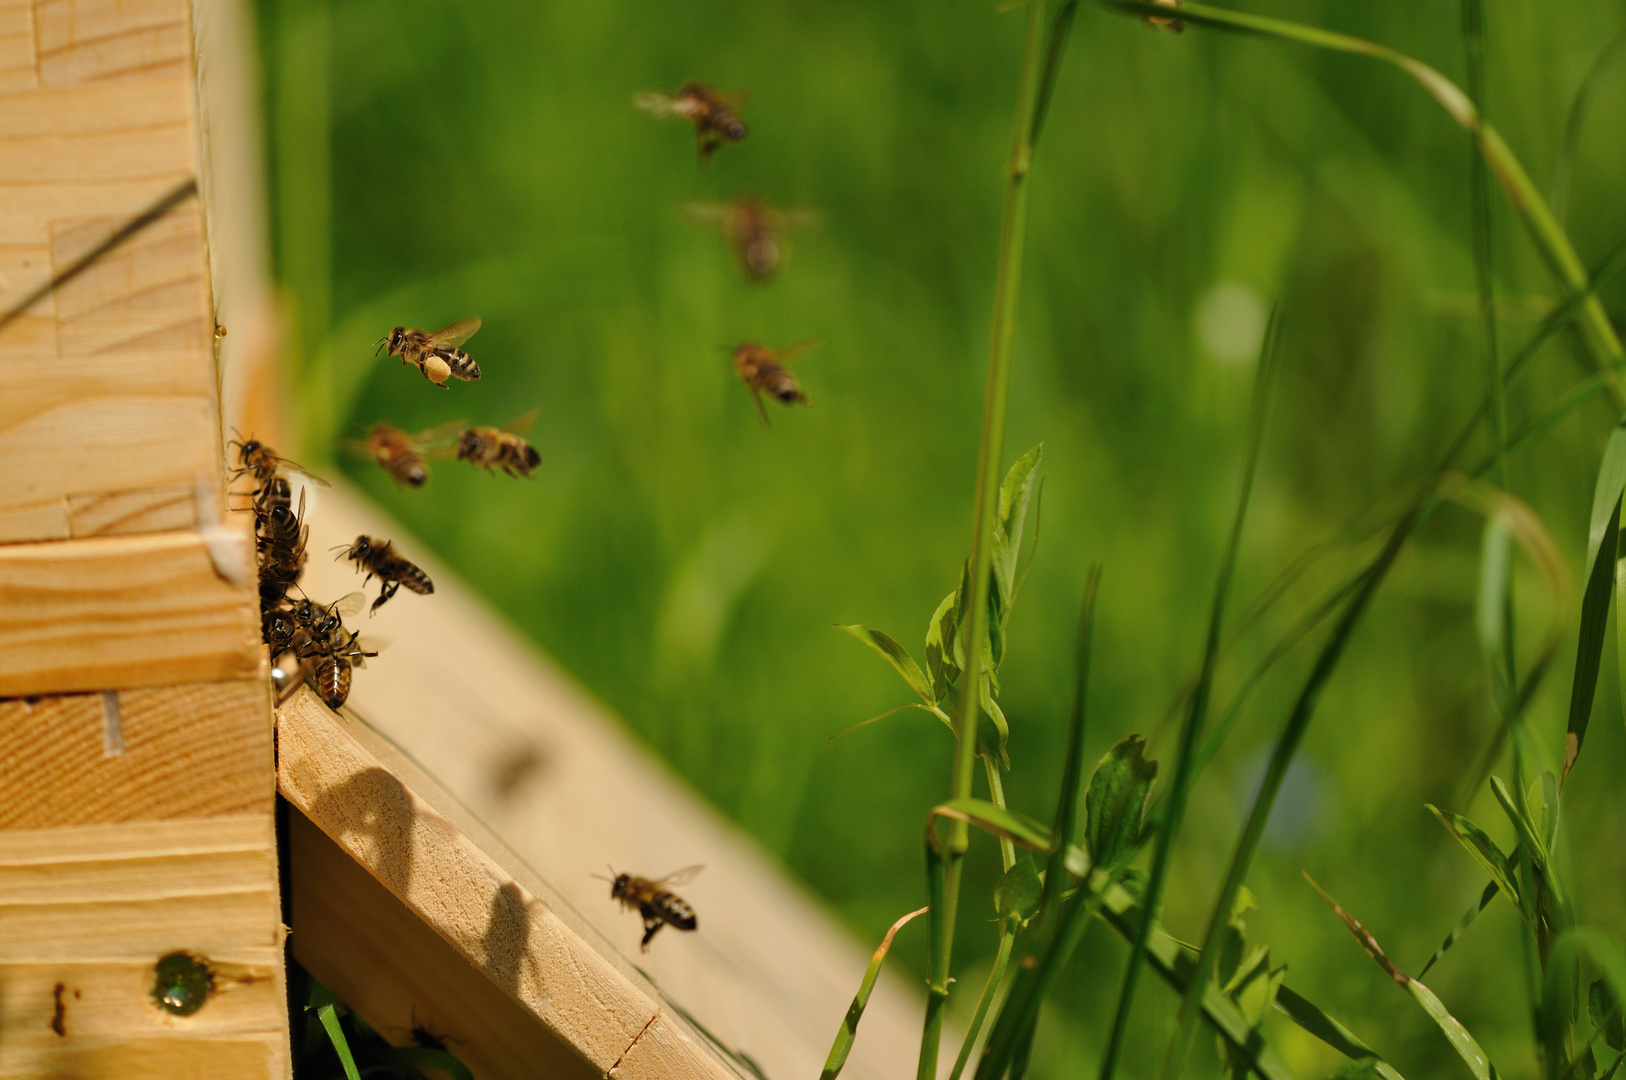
(126, 611)
(87, 912)
(202, 750)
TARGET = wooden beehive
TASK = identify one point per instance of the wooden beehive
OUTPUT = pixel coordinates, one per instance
(136, 795)
(138, 762)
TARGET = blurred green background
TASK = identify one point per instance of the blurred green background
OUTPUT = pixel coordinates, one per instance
(432, 160)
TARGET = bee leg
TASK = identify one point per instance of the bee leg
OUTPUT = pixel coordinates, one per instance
(652, 925)
(385, 591)
(756, 399)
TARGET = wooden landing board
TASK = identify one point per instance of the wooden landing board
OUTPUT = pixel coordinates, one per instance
(127, 611)
(337, 773)
(109, 413)
(87, 914)
(770, 973)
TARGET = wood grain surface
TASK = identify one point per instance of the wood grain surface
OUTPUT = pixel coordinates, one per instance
(125, 611)
(88, 912)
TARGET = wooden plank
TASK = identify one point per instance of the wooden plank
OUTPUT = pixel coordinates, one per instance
(88, 912)
(127, 611)
(111, 408)
(395, 971)
(492, 920)
(203, 750)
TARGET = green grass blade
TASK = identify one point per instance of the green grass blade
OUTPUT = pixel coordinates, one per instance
(1196, 715)
(1007, 937)
(940, 902)
(1486, 854)
(1061, 27)
(1458, 1036)
(1311, 1018)
(1602, 343)
(1065, 829)
(896, 655)
(1564, 168)
(855, 1012)
(329, 1017)
(1558, 992)
(1180, 1046)
(1602, 540)
(1467, 920)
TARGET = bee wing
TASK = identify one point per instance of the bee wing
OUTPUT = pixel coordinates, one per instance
(659, 104)
(737, 98)
(520, 424)
(797, 349)
(798, 220)
(310, 477)
(349, 605)
(454, 335)
(358, 446)
(438, 438)
(680, 877)
(708, 213)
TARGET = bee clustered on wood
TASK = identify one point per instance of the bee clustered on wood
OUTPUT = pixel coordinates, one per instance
(323, 650)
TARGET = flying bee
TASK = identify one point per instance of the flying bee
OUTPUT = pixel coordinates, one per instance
(436, 355)
(335, 657)
(655, 900)
(1157, 20)
(715, 116)
(501, 448)
(402, 455)
(754, 229)
(380, 560)
(762, 370)
(257, 459)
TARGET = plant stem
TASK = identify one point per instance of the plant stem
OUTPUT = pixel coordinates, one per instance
(1008, 287)
(996, 793)
(1007, 936)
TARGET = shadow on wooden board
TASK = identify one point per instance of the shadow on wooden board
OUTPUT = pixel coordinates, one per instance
(393, 969)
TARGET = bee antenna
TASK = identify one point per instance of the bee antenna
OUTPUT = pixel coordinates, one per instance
(377, 344)
(341, 549)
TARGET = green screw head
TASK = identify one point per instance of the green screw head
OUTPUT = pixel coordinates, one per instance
(182, 983)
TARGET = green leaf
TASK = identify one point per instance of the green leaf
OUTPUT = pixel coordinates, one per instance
(424, 1057)
(1525, 829)
(997, 820)
(1364, 1069)
(855, 1012)
(897, 656)
(1601, 544)
(1015, 493)
(1115, 800)
(1019, 891)
(1485, 853)
(1603, 1008)
(944, 658)
(341, 1046)
(996, 716)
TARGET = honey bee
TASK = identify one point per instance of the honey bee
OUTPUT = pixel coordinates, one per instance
(501, 448)
(763, 372)
(263, 463)
(380, 560)
(715, 117)
(335, 656)
(280, 534)
(436, 355)
(754, 229)
(654, 900)
(402, 455)
(1157, 20)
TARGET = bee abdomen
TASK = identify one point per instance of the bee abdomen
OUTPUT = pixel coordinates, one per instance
(333, 681)
(461, 364)
(676, 911)
(416, 580)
